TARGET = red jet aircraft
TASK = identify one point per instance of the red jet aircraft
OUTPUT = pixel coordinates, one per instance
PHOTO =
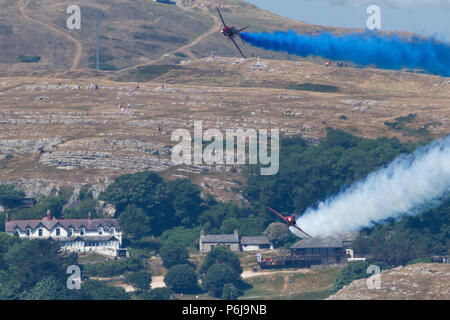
(291, 221)
(231, 32)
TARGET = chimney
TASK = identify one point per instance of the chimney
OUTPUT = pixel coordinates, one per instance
(6, 218)
(236, 233)
(89, 216)
(49, 216)
(202, 233)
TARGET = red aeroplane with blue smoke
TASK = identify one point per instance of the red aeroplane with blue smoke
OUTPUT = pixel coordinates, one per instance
(362, 48)
(231, 32)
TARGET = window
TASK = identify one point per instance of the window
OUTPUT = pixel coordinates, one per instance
(69, 232)
(28, 232)
(40, 232)
(100, 231)
(81, 231)
(16, 232)
(112, 230)
(58, 232)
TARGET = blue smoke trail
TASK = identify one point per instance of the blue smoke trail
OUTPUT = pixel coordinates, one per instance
(370, 48)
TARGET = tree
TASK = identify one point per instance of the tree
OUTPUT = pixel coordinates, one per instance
(173, 254)
(186, 201)
(6, 242)
(230, 292)
(54, 203)
(398, 242)
(145, 190)
(353, 271)
(10, 288)
(213, 217)
(112, 267)
(309, 174)
(49, 288)
(88, 205)
(217, 276)
(134, 222)
(278, 234)
(140, 280)
(181, 235)
(181, 278)
(157, 294)
(224, 255)
(32, 260)
(9, 196)
(86, 193)
(98, 290)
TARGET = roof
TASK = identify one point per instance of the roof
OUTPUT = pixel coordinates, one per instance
(255, 240)
(76, 224)
(220, 238)
(329, 242)
(86, 238)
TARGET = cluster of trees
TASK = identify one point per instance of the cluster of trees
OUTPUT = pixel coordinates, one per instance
(11, 199)
(309, 174)
(33, 270)
(149, 206)
(112, 268)
(220, 272)
(411, 238)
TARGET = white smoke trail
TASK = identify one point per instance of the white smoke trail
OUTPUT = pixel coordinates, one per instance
(406, 185)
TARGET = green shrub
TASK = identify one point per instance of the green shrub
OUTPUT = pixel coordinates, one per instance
(181, 279)
(140, 280)
(28, 59)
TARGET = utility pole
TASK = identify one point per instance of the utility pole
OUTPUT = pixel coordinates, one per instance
(98, 15)
(55, 46)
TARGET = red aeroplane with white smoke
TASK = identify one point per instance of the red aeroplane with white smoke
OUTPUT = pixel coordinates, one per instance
(231, 32)
(291, 221)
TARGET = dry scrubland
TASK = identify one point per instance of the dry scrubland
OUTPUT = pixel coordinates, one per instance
(61, 131)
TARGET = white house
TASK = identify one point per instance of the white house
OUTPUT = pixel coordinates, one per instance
(102, 236)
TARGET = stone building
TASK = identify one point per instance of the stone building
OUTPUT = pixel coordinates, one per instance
(234, 242)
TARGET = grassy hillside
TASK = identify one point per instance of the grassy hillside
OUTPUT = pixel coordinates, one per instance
(292, 285)
(132, 33)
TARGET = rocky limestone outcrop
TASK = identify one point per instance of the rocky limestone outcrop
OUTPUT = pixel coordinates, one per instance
(24, 146)
(414, 282)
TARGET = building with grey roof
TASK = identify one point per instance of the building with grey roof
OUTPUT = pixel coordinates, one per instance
(233, 241)
(256, 243)
(331, 250)
(103, 236)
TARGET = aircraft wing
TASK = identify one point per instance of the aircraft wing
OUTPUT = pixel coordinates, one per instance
(240, 30)
(295, 226)
(279, 214)
(231, 38)
(221, 18)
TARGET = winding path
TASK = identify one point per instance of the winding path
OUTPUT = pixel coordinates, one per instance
(215, 28)
(79, 47)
